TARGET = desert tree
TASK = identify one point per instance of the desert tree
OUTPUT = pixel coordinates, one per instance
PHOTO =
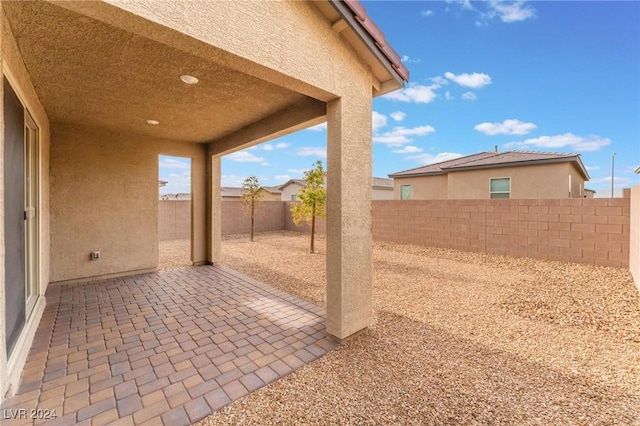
(251, 197)
(312, 199)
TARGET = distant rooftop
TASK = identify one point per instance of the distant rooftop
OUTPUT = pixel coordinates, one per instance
(490, 159)
(382, 183)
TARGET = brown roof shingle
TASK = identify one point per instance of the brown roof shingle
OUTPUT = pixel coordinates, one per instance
(494, 159)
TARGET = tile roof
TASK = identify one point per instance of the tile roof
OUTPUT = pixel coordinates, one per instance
(300, 182)
(382, 183)
(231, 191)
(494, 159)
(376, 33)
(272, 189)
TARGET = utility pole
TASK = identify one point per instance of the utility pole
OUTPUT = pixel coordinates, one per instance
(613, 159)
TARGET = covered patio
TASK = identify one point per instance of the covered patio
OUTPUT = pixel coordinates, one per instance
(165, 348)
(93, 93)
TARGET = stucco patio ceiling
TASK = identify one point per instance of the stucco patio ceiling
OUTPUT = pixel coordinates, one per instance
(86, 71)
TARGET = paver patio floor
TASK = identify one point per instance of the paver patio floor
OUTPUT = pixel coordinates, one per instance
(162, 348)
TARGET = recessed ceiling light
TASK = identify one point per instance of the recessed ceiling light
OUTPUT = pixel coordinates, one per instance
(153, 122)
(189, 79)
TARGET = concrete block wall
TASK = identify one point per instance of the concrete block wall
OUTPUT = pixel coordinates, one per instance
(596, 231)
(321, 224)
(174, 219)
(269, 216)
(593, 231)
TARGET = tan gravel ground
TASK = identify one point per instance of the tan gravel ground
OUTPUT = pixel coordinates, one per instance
(458, 338)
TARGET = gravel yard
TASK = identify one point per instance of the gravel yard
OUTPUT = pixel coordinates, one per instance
(457, 338)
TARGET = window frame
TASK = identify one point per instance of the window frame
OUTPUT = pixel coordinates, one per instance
(410, 192)
(491, 192)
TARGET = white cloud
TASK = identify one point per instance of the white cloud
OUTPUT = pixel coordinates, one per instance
(415, 93)
(566, 140)
(265, 164)
(474, 81)
(469, 96)
(267, 147)
(440, 81)
(507, 127)
(318, 127)
(590, 168)
(409, 149)
(173, 164)
(177, 182)
(398, 115)
(378, 120)
(283, 177)
(308, 151)
(232, 180)
(400, 135)
(297, 171)
(281, 145)
(448, 96)
(425, 158)
(426, 13)
(409, 60)
(505, 11)
(511, 12)
(244, 157)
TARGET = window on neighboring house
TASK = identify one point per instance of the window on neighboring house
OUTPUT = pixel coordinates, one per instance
(405, 192)
(294, 197)
(500, 188)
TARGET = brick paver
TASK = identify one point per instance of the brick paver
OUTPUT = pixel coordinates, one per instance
(169, 347)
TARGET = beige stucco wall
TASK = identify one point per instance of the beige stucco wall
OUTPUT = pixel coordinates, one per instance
(289, 190)
(281, 57)
(268, 196)
(13, 68)
(634, 248)
(423, 187)
(382, 194)
(533, 181)
(104, 197)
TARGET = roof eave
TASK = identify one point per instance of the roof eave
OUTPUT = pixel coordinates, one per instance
(398, 73)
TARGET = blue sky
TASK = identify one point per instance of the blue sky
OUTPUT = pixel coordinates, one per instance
(556, 76)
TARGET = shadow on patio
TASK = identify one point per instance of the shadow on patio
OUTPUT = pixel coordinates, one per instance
(168, 347)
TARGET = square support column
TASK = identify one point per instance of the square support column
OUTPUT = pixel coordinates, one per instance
(214, 209)
(349, 237)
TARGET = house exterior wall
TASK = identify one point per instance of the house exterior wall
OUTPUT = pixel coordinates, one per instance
(532, 181)
(382, 194)
(634, 250)
(289, 190)
(269, 196)
(104, 197)
(422, 187)
(13, 68)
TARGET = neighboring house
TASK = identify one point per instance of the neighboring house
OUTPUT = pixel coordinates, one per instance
(162, 183)
(181, 196)
(231, 193)
(94, 92)
(589, 193)
(382, 189)
(510, 174)
(289, 190)
(270, 193)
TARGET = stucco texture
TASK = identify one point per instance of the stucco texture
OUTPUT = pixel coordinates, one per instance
(13, 68)
(104, 197)
(531, 181)
(634, 247)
